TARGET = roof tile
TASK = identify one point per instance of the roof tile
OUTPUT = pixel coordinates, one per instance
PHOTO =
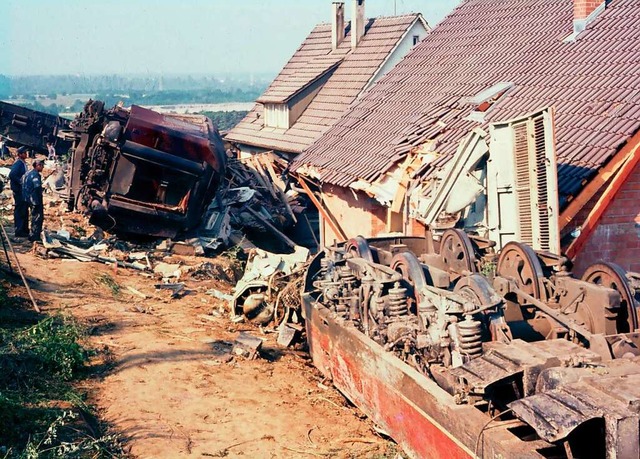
(315, 58)
(593, 83)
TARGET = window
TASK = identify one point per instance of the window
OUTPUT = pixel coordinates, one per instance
(416, 39)
(276, 116)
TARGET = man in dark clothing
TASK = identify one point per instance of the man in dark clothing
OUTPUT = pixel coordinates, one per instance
(3, 148)
(32, 192)
(20, 209)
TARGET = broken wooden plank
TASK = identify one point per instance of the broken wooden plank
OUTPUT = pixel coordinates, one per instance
(325, 213)
(272, 228)
(264, 177)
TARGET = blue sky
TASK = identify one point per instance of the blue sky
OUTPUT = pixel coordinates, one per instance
(168, 36)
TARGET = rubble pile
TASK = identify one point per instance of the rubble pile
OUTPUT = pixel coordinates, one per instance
(254, 202)
(130, 196)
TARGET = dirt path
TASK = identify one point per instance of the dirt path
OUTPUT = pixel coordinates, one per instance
(172, 388)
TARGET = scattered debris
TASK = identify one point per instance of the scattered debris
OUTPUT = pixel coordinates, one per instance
(218, 294)
(167, 270)
(177, 288)
(286, 334)
(247, 345)
(263, 295)
(137, 292)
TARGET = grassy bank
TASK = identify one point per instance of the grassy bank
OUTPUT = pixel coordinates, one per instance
(42, 414)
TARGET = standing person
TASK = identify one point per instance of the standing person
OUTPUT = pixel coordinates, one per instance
(20, 209)
(51, 150)
(3, 148)
(32, 192)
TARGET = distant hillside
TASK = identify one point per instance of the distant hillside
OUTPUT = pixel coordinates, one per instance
(225, 120)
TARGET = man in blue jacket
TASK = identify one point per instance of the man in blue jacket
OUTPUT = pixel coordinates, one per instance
(20, 209)
(32, 192)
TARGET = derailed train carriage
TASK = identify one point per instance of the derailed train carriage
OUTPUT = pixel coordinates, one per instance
(141, 172)
(457, 351)
(31, 128)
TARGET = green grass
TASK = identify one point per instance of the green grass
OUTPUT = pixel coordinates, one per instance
(42, 415)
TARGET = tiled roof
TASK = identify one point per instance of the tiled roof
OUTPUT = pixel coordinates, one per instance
(288, 85)
(313, 59)
(593, 83)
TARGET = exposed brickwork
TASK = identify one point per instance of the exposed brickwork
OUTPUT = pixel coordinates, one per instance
(617, 236)
(357, 213)
(583, 8)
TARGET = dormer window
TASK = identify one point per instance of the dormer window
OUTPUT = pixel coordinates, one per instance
(276, 116)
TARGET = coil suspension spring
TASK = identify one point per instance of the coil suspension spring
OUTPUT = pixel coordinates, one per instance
(324, 267)
(470, 334)
(347, 276)
(398, 301)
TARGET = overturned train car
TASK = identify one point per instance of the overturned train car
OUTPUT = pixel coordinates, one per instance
(31, 128)
(141, 172)
(459, 352)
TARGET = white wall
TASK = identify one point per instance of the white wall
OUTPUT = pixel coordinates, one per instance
(403, 48)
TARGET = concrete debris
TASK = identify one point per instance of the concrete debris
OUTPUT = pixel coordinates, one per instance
(168, 270)
(164, 245)
(247, 345)
(218, 294)
(286, 334)
(182, 248)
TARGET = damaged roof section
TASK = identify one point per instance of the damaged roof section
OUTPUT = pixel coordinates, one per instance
(591, 83)
(329, 80)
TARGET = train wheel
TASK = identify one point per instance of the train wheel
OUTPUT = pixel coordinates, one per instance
(457, 253)
(615, 277)
(359, 247)
(409, 266)
(520, 263)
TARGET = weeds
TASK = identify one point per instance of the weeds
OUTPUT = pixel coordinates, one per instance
(109, 282)
(41, 414)
(63, 439)
(53, 345)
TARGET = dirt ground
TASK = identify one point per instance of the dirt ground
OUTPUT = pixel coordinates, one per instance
(171, 386)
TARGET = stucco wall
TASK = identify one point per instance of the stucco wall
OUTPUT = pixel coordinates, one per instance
(403, 48)
(358, 215)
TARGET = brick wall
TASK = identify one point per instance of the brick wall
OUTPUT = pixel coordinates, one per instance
(583, 8)
(416, 228)
(617, 236)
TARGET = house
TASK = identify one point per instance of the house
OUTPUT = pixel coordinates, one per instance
(335, 65)
(466, 130)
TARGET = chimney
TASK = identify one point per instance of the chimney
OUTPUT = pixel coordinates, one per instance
(337, 24)
(357, 22)
(585, 11)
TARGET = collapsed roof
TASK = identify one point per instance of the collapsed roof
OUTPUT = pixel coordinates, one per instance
(488, 62)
